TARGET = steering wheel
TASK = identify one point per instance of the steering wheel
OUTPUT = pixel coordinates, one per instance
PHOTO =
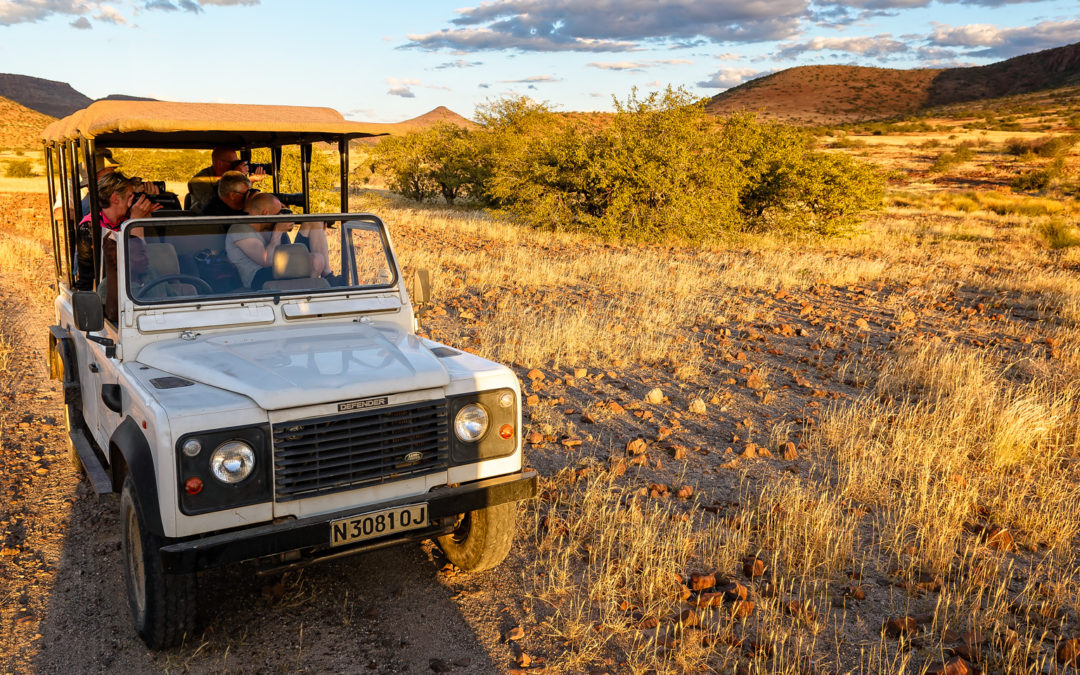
(200, 285)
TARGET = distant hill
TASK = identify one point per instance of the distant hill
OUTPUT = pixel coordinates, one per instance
(55, 99)
(440, 114)
(837, 94)
(20, 127)
(125, 97)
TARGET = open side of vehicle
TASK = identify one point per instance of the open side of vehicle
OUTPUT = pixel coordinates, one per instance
(286, 424)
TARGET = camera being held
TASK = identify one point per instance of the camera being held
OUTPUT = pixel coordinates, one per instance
(253, 168)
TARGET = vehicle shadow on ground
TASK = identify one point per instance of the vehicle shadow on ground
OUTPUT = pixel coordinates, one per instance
(383, 611)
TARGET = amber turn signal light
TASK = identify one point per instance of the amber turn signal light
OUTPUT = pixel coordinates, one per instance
(193, 486)
(506, 431)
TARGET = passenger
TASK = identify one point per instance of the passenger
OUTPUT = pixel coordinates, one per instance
(251, 247)
(230, 196)
(201, 187)
(116, 197)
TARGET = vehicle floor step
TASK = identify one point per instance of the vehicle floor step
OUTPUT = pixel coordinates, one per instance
(91, 464)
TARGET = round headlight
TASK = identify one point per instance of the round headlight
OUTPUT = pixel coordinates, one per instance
(232, 461)
(471, 422)
(506, 399)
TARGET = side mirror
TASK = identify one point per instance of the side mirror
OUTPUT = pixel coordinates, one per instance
(420, 287)
(89, 314)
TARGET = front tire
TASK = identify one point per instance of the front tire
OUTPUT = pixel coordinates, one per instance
(482, 538)
(162, 605)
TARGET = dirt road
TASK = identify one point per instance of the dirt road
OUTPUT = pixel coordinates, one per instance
(63, 607)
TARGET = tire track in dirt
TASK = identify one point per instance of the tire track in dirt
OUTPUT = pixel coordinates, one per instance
(63, 606)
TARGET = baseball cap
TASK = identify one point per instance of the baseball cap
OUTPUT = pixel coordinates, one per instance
(103, 159)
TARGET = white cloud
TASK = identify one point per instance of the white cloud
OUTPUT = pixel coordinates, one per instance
(460, 63)
(28, 11)
(636, 65)
(613, 25)
(726, 78)
(1004, 43)
(878, 46)
(535, 79)
(402, 87)
(110, 14)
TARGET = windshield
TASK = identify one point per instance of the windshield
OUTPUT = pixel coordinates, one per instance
(171, 260)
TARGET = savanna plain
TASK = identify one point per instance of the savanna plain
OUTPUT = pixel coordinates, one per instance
(766, 453)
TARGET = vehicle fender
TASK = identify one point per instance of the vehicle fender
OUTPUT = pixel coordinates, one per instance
(129, 453)
(62, 347)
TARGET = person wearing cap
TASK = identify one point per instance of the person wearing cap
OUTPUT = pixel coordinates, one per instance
(203, 186)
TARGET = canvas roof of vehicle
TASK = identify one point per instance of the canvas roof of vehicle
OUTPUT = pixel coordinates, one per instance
(163, 124)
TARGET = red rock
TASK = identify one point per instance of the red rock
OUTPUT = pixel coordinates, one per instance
(515, 633)
(618, 466)
(658, 490)
(735, 591)
(533, 399)
(755, 382)
(588, 418)
(688, 618)
(750, 451)
(954, 666)
(685, 492)
(535, 375)
(571, 442)
(614, 407)
(647, 623)
(862, 324)
(535, 438)
(753, 567)
(580, 373)
(1068, 652)
(806, 309)
(742, 609)
(789, 452)
(699, 582)
(903, 626)
(636, 446)
(678, 452)
(1000, 538)
(855, 593)
(708, 600)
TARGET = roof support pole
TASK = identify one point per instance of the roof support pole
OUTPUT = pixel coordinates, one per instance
(95, 207)
(305, 174)
(51, 184)
(343, 155)
(275, 167)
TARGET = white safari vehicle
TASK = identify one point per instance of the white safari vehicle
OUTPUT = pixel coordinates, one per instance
(301, 421)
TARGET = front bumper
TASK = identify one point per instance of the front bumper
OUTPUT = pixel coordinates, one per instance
(311, 536)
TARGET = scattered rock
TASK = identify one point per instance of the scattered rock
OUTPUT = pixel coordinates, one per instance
(862, 324)
(697, 406)
(1068, 652)
(655, 396)
(755, 382)
(699, 582)
(535, 375)
(636, 446)
(901, 627)
(999, 538)
(515, 633)
(678, 452)
(954, 666)
(535, 438)
(685, 492)
(580, 373)
(688, 618)
(753, 567)
(742, 609)
(735, 591)
(750, 451)
(614, 407)
(788, 451)
(532, 399)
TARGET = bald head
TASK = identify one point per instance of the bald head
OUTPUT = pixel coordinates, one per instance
(263, 204)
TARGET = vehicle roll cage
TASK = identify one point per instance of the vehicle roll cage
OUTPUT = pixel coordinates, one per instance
(71, 142)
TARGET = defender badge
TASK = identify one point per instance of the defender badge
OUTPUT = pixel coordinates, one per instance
(414, 456)
(362, 404)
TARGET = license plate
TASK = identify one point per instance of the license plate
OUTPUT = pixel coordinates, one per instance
(378, 524)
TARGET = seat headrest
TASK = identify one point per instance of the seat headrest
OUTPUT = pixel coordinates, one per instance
(163, 258)
(291, 261)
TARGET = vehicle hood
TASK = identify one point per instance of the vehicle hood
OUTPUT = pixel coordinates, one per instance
(287, 367)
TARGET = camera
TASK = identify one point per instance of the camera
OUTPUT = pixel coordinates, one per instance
(290, 198)
(268, 169)
(159, 184)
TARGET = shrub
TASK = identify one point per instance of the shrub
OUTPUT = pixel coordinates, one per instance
(660, 167)
(20, 168)
(1057, 233)
(1040, 179)
(1047, 146)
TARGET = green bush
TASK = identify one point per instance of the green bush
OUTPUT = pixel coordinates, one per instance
(20, 168)
(1040, 179)
(948, 159)
(658, 168)
(1047, 146)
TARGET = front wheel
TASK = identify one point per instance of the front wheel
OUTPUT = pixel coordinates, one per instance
(162, 605)
(482, 538)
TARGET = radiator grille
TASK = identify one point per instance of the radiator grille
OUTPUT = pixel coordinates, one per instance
(358, 449)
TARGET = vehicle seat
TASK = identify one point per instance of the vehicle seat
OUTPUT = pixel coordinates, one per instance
(292, 270)
(164, 261)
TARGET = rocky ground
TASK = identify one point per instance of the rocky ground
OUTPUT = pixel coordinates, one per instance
(773, 365)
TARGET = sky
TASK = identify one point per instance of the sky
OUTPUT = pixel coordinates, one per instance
(390, 61)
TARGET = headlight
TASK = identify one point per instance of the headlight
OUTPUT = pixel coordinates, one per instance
(232, 461)
(471, 423)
